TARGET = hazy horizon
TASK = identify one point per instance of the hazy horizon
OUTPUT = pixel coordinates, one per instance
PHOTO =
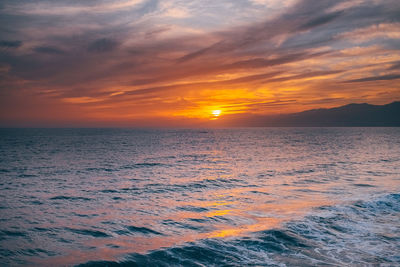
(228, 121)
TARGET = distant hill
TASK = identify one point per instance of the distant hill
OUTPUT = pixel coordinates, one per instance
(348, 115)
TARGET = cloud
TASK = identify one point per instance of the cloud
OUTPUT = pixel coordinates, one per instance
(237, 55)
(102, 45)
(80, 100)
(10, 44)
(200, 52)
(386, 77)
(176, 12)
(49, 50)
(280, 60)
(64, 8)
(381, 30)
(395, 66)
(318, 21)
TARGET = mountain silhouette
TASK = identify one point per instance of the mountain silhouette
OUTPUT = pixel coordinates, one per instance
(351, 115)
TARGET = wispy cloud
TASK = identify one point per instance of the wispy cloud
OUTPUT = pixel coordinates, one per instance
(65, 8)
(386, 77)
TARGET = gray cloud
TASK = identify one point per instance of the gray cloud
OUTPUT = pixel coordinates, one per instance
(49, 50)
(318, 21)
(102, 45)
(387, 77)
(10, 44)
(395, 66)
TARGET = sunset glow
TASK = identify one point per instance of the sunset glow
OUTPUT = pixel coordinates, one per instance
(216, 113)
(199, 133)
(164, 63)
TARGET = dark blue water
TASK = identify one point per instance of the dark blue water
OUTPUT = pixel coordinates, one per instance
(222, 197)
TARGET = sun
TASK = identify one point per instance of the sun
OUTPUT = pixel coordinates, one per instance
(216, 113)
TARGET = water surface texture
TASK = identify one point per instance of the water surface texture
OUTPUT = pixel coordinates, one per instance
(233, 197)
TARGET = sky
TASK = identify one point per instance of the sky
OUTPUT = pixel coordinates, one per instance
(188, 62)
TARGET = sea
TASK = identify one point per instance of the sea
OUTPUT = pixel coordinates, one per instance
(200, 197)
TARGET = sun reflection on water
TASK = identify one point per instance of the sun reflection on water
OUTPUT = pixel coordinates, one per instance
(213, 184)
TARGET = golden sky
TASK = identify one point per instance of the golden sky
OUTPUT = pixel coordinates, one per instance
(185, 63)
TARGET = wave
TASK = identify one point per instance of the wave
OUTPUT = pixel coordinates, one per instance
(140, 230)
(70, 198)
(360, 233)
(89, 232)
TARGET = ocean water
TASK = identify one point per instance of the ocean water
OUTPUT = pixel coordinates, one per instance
(210, 197)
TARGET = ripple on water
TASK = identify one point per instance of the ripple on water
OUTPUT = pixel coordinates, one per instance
(331, 236)
(88, 232)
(102, 193)
(129, 230)
(72, 198)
